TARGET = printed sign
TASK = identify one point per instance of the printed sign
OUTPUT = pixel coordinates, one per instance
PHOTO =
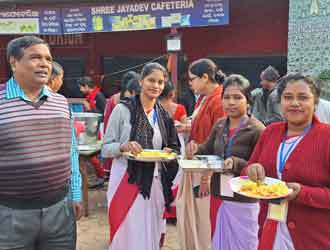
(115, 17)
(31, 21)
(145, 15)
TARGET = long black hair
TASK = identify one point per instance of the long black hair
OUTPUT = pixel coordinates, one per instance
(127, 77)
(133, 86)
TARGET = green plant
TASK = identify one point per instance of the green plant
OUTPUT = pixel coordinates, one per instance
(325, 75)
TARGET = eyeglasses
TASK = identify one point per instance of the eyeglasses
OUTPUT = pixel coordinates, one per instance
(192, 78)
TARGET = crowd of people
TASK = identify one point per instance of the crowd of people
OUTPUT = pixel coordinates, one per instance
(229, 120)
(279, 130)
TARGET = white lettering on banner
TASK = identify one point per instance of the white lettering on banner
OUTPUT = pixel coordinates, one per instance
(103, 10)
(25, 13)
(74, 10)
(50, 12)
(173, 5)
(213, 11)
(49, 24)
(129, 8)
(75, 21)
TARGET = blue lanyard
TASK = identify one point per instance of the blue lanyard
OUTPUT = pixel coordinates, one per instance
(284, 157)
(229, 145)
(154, 118)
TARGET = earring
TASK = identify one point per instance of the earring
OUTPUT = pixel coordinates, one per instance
(249, 110)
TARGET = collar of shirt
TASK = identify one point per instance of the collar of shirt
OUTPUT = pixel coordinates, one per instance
(13, 90)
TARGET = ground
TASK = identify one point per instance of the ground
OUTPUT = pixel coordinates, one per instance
(93, 230)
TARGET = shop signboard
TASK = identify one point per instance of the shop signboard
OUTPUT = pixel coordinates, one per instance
(139, 15)
(31, 21)
(144, 15)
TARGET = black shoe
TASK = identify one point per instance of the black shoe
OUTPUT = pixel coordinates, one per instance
(98, 183)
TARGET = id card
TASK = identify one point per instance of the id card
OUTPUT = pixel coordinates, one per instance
(278, 212)
(225, 189)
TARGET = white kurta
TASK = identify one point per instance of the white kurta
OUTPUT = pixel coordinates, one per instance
(144, 224)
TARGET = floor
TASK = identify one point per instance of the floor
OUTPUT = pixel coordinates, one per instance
(93, 230)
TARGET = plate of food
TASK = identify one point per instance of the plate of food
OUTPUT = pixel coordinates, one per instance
(151, 155)
(270, 188)
(201, 163)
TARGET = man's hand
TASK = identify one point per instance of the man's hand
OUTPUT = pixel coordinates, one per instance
(77, 210)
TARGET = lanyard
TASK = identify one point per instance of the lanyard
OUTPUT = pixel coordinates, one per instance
(154, 118)
(284, 157)
(229, 145)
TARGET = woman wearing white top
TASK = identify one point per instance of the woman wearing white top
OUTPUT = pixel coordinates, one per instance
(138, 192)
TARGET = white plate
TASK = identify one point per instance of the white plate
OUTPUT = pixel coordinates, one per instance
(209, 158)
(236, 183)
(199, 166)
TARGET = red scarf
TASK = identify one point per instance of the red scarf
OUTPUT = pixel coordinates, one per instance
(91, 97)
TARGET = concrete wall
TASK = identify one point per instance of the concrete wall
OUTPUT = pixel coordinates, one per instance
(309, 36)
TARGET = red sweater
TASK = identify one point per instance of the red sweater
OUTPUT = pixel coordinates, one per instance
(91, 97)
(179, 112)
(207, 116)
(309, 164)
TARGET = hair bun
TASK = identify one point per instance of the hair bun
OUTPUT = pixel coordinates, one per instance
(220, 76)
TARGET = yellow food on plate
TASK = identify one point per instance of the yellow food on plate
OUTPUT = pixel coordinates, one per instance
(155, 154)
(252, 188)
